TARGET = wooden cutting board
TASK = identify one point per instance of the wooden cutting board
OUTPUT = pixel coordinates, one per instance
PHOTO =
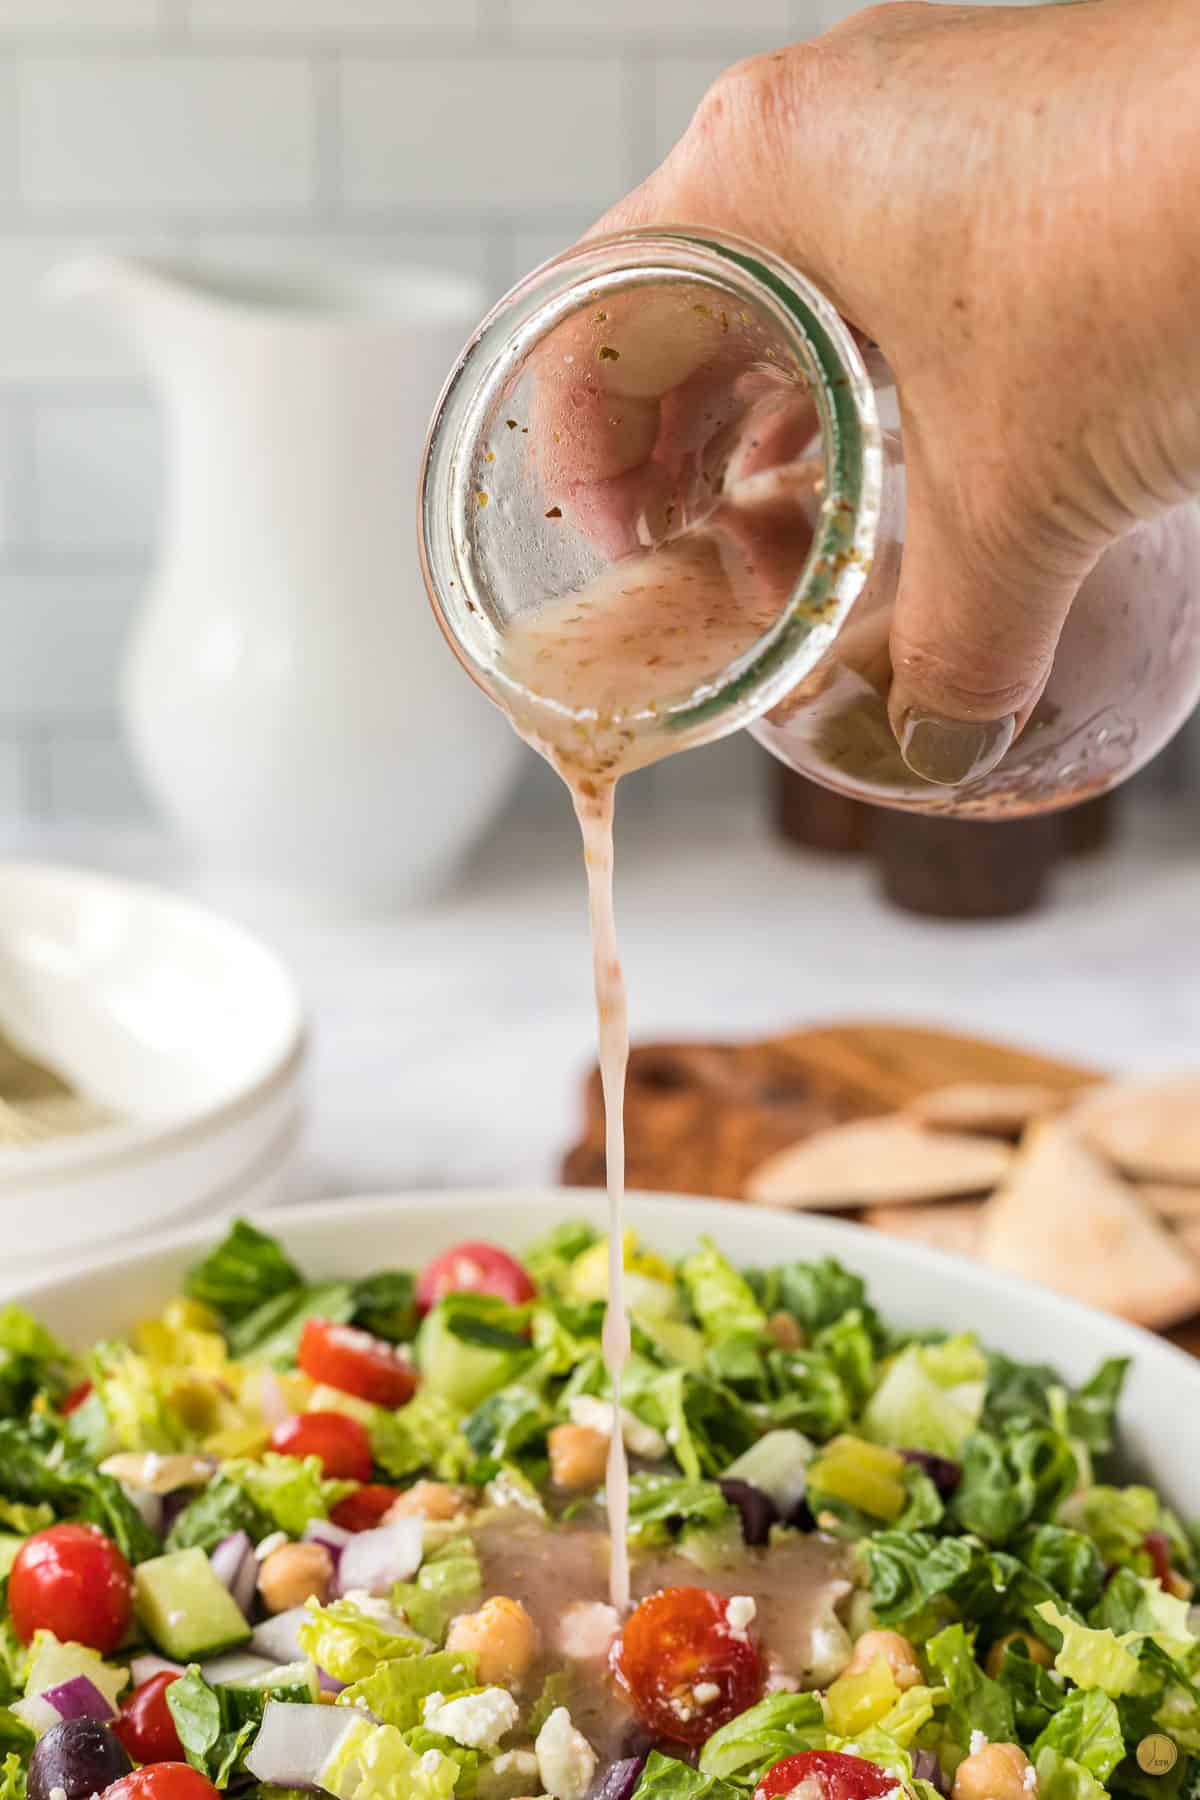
(700, 1116)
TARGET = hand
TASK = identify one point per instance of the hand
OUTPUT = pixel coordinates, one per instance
(1004, 200)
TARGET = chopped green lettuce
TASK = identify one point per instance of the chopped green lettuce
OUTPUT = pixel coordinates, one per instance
(12, 1777)
(976, 1702)
(1060, 1778)
(290, 1490)
(349, 1643)
(245, 1270)
(549, 1259)
(930, 1397)
(385, 1304)
(1012, 1477)
(271, 1333)
(424, 1434)
(373, 1762)
(396, 1690)
(664, 1778)
(1094, 1659)
(31, 1361)
(449, 1581)
(720, 1298)
(660, 1506)
(217, 1511)
(38, 1468)
(1087, 1730)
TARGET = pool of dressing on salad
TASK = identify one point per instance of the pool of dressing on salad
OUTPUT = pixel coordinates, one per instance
(656, 624)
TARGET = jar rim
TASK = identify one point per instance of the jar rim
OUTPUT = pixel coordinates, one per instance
(839, 559)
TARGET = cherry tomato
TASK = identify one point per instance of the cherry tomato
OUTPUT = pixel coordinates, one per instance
(834, 1775)
(356, 1363)
(473, 1269)
(686, 1669)
(163, 1781)
(341, 1443)
(73, 1581)
(75, 1398)
(144, 1724)
(364, 1508)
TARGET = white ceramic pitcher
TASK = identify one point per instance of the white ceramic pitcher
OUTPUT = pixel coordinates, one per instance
(286, 692)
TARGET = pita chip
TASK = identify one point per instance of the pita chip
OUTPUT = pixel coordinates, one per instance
(994, 1109)
(1148, 1128)
(951, 1225)
(1179, 1204)
(889, 1161)
(1065, 1220)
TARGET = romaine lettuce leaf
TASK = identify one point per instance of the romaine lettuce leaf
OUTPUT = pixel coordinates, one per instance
(1011, 1477)
(30, 1360)
(549, 1259)
(349, 1643)
(385, 1304)
(975, 1701)
(373, 1762)
(290, 1490)
(216, 1725)
(663, 1778)
(847, 1345)
(719, 1297)
(12, 1777)
(1036, 1695)
(705, 1423)
(448, 1582)
(36, 1467)
(396, 1690)
(777, 1727)
(807, 1394)
(930, 1397)
(271, 1333)
(1067, 1559)
(424, 1434)
(1087, 1730)
(246, 1269)
(815, 1293)
(1059, 1778)
(1094, 1659)
(219, 1510)
(910, 1572)
(660, 1506)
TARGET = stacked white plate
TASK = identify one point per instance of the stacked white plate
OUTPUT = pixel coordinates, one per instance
(177, 1022)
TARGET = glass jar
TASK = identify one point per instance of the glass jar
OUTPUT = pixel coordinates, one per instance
(739, 420)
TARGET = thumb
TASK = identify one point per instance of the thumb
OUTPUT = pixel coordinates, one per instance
(977, 621)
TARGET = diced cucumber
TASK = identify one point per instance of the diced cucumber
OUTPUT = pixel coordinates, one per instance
(778, 1464)
(185, 1609)
(461, 1372)
(51, 1665)
(290, 1681)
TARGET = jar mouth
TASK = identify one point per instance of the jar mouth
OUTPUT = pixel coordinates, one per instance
(840, 555)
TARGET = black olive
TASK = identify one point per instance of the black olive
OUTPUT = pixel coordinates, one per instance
(926, 1767)
(758, 1511)
(941, 1470)
(618, 1781)
(80, 1756)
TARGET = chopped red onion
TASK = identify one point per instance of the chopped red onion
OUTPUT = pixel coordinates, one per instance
(331, 1537)
(375, 1561)
(78, 1698)
(619, 1780)
(228, 1556)
(295, 1741)
(276, 1638)
(143, 1667)
(327, 1683)
(275, 1409)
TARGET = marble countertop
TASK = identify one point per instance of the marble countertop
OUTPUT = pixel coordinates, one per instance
(449, 1040)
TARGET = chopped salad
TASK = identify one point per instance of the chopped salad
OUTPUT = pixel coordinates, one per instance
(298, 1535)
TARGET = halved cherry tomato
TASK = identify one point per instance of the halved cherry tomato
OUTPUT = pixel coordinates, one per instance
(144, 1724)
(473, 1268)
(834, 1776)
(356, 1363)
(163, 1781)
(76, 1398)
(341, 1443)
(73, 1581)
(364, 1508)
(686, 1669)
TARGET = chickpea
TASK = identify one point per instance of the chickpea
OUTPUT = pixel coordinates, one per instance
(896, 1652)
(503, 1637)
(1038, 1652)
(997, 1772)
(428, 1500)
(578, 1456)
(293, 1574)
(786, 1330)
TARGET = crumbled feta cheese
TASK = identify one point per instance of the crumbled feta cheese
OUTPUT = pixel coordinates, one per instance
(640, 1439)
(1029, 1780)
(515, 1762)
(566, 1761)
(779, 1681)
(705, 1692)
(477, 1720)
(374, 1606)
(58, 1793)
(587, 1629)
(978, 1742)
(740, 1614)
(269, 1545)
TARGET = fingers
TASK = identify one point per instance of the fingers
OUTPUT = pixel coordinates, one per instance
(977, 620)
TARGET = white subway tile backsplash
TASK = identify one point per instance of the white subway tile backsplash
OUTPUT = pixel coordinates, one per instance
(680, 83)
(96, 468)
(483, 132)
(89, 775)
(63, 629)
(544, 19)
(340, 253)
(110, 136)
(14, 778)
(341, 20)
(78, 18)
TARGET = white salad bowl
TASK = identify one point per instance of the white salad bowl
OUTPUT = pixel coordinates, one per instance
(178, 1022)
(912, 1287)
